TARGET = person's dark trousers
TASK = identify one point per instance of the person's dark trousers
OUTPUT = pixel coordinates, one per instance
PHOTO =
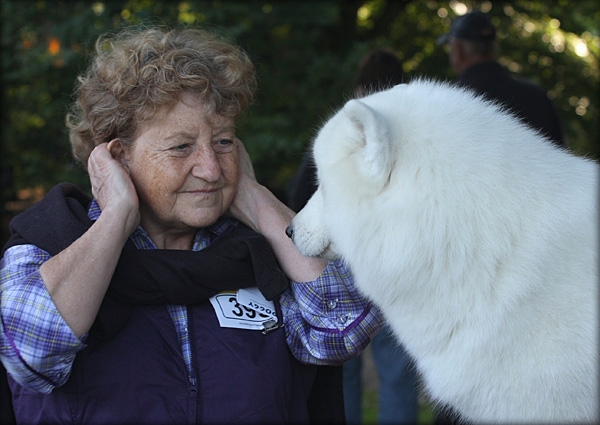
(7, 416)
(326, 401)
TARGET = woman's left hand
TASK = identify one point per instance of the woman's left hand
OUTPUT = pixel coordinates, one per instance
(244, 201)
(255, 206)
(244, 161)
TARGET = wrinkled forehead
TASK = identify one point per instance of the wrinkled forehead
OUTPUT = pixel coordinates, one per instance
(188, 108)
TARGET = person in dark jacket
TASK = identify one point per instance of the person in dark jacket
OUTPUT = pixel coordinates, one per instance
(473, 51)
(173, 295)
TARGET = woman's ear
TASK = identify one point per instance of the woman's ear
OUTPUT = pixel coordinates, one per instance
(119, 152)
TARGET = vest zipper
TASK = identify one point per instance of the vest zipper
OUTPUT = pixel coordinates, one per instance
(192, 378)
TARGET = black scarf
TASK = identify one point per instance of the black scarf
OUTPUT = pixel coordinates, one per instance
(239, 258)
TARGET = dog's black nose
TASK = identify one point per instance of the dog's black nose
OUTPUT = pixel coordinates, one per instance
(289, 231)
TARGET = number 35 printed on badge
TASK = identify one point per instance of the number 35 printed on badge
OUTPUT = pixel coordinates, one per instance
(243, 309)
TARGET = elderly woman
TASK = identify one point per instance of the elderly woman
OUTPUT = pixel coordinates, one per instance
(174, 295)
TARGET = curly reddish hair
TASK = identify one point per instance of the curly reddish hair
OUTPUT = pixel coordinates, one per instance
(137, 73)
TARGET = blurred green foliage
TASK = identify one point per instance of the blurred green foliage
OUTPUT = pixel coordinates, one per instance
(305, 53)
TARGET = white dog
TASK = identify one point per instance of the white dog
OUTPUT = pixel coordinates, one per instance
(476, 237)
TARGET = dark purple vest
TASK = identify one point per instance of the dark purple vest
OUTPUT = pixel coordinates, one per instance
(139, 377)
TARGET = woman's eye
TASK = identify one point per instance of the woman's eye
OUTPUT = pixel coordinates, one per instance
(224, 145)
(181, 147)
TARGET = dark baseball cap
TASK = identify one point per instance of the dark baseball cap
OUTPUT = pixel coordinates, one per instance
(475, 26)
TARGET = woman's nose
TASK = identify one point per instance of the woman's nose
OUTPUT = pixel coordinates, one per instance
(206, 165)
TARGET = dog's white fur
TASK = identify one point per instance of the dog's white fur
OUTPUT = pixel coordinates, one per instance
(476, 237)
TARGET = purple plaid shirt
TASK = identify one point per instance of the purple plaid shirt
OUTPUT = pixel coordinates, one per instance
(327, 321)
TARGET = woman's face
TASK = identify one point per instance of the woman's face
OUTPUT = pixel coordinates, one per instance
(185, 170)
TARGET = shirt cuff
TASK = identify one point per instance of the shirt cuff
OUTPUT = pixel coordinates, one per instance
(328, 321)
(37, 346)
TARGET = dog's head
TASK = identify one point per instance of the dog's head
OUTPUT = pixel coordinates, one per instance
(353, 153)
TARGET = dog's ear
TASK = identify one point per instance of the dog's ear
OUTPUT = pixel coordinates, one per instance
(376, 157)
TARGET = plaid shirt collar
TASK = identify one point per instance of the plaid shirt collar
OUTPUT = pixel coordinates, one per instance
(202, 239)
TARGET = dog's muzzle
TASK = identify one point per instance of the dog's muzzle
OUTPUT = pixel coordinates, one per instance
(289, 231)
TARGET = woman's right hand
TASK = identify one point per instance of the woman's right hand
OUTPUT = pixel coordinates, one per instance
(112, 186)
(78, 277)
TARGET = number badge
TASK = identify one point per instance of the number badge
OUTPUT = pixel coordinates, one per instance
(243, 309)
